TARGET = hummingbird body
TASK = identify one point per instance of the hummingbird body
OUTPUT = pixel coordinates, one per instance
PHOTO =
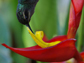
(25, 10)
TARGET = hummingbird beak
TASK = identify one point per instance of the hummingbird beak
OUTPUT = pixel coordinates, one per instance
(29, 27)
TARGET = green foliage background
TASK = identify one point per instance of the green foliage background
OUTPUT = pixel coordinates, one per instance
(51, 16)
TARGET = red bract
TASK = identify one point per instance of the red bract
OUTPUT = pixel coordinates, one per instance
(74, 21)
(72, 60)
(74, 18)
(61, 52)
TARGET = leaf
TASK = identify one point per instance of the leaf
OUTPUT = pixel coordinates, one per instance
(63, 16)
(80, 43)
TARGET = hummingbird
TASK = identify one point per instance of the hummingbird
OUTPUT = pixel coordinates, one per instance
(25, 10)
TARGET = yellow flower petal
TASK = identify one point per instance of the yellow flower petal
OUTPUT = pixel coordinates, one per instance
(38, 39)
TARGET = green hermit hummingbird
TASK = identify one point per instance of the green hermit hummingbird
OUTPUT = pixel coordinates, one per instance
(25, 10)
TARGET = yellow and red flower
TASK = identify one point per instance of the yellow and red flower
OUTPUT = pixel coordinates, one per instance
(57, 49)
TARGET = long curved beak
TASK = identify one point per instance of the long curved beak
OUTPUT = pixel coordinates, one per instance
(29, 27)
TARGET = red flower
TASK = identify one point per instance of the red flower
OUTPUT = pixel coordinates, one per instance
(60, 52)
(51, 51)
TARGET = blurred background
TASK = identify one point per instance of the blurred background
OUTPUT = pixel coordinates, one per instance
(51, 16)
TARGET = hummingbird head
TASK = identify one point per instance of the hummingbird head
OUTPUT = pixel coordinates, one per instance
(25, 10)
(23, 14)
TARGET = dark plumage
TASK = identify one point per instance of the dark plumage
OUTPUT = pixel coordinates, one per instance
(25, 10)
